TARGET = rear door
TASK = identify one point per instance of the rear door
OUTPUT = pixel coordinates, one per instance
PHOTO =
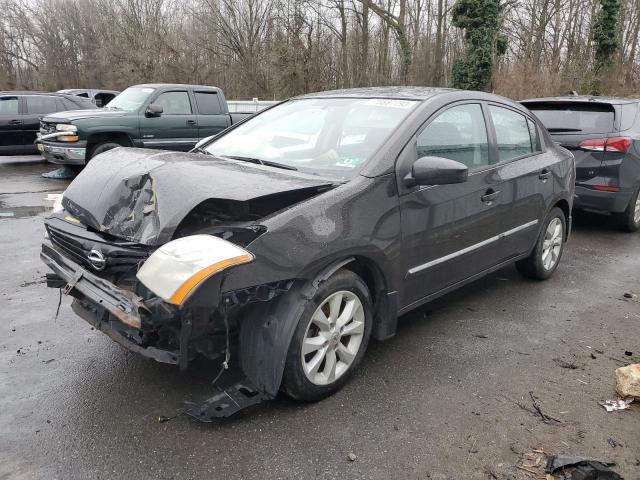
(212, 116)
(450, 232)
(528, 175)
(36, 107)
(176, 128)
(11, 137)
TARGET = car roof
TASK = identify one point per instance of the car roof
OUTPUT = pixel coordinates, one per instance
(583, 99)
(25, 92)
(402, 93)
(174, 85)
(97, 90)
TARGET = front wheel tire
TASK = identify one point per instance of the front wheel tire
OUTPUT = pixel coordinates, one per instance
(330, 339)
(546, 255)
(102, 147)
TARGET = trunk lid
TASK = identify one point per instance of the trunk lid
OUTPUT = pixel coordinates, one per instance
(571, 122)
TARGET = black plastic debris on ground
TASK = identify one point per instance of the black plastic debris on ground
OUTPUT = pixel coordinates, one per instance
(583, 468)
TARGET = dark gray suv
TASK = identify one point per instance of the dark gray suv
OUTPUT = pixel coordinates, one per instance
(604, 135)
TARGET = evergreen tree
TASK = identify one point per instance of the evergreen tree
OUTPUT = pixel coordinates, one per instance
(481, 23)
(605, 34)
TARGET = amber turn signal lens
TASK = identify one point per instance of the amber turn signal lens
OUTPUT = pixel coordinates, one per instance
(179, 297)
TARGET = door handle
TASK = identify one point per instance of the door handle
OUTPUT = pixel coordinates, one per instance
(15, 122)
(191, 122)
(544, 175)
(490, 196)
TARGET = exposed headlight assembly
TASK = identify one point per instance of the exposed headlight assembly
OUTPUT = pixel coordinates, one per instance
(175, 270)
(65, 127)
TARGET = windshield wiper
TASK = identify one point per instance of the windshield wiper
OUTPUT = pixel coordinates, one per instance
(564, 130)
(268, 163)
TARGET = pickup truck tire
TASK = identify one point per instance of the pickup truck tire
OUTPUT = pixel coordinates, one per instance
(546, 255)
(102, 147)
(629, 220)
(334, 330)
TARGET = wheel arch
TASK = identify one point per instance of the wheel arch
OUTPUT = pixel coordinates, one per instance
(563, 204)
(122, 138)
(372, 274)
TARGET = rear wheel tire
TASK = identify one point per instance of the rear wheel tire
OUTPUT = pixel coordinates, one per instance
(546, 255)
(629, 220)
(330, 340)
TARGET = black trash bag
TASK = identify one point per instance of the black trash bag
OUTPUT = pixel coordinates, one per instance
(584, 468)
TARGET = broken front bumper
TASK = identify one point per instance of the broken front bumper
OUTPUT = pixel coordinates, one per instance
(117, 312)
(62, 153)
(122, 315)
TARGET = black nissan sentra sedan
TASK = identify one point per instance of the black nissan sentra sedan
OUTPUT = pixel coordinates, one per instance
(285, 243)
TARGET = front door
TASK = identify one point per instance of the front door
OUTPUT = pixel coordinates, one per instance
(449, 231)
(11, 133)
(176, 128)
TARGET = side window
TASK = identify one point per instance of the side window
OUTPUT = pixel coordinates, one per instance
(40, 104)
(60, 106)
(512, 133)
(629, 112)
(458, 133)
(9, 106)
(535, 136)
(174, 103)
(69, 105)
(208, 103)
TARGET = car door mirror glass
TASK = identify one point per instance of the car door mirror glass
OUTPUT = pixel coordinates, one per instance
(436, 171)
(153, 110)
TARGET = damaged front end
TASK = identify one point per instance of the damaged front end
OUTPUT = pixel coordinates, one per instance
(144, 252)
(170, 310)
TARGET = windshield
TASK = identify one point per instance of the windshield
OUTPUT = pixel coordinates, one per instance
(131, 99)
(574, 117)
(323, 136)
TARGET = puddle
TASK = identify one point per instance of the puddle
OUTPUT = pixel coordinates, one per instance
(22, 212)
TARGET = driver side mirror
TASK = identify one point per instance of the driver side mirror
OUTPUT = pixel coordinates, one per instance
(153, 110)
(436, 171)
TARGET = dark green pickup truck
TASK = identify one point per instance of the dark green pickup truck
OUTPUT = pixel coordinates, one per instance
(163, 116)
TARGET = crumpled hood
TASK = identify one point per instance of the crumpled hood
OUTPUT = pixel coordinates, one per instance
(142, 195)
(71, 115)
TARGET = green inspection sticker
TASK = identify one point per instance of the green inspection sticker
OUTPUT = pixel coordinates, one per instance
(348, 162)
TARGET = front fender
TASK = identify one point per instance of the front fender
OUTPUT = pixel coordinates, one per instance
(266, 331)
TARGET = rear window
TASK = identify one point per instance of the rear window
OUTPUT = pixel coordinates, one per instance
(573, 117)
(208, 103)
(41, 104)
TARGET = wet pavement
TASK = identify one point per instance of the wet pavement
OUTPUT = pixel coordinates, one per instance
(447, 398)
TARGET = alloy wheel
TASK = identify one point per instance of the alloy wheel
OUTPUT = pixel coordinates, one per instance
(333, 338)
(552, 244)
(636, 212)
